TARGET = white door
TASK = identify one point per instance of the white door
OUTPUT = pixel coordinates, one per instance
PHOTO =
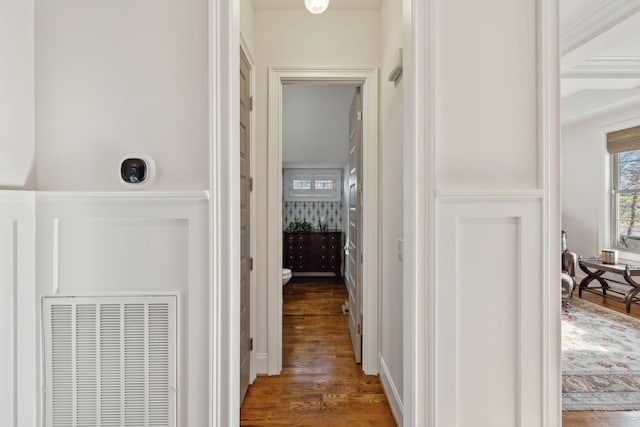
(354, 247)
(245, 253)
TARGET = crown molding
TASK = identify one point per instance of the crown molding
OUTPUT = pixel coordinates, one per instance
(573, 116)
(599, 20)
(606, 67)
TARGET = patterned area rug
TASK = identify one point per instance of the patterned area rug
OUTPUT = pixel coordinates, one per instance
(600, 359)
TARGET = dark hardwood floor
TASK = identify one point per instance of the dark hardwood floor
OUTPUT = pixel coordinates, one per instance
(604, 418)
(320, 383)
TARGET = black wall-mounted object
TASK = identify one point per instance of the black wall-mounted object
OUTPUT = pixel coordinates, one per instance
(134, 170)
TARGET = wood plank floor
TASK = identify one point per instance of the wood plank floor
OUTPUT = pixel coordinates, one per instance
(320, 383)
(603, 418)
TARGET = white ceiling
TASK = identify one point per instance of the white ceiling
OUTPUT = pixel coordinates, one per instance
(333, 4)
(600, 66)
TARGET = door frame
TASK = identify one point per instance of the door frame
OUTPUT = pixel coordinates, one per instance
(368, 79)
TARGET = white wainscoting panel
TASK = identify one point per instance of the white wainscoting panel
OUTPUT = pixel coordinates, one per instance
(489, 312)
(18, 392)
(135, 244)
(122, 255)
(8, 284)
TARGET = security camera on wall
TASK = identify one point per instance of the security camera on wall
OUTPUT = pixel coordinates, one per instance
(137, 171)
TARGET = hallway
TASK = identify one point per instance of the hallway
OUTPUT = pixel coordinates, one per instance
(320, 384)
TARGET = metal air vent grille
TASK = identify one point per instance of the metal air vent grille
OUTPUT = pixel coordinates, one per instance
(110, 361)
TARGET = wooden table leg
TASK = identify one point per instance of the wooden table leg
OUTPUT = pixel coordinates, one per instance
(635, 288)
(591, 276)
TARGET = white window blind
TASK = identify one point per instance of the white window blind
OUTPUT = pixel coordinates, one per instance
(623, 140)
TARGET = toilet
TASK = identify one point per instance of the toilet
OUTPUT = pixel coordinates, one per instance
(286, 276)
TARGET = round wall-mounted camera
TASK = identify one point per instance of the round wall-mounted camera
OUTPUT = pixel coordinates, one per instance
(137, 170)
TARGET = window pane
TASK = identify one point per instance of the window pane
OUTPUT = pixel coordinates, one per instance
(301, 184)
(324, 184)
(629, 170)
(628, 217)
(626, 200)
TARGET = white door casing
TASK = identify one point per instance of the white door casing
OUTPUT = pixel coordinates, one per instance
(224, 213)
(368, 79)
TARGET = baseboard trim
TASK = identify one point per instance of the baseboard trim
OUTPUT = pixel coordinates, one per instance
(390, 390)
(262, 363)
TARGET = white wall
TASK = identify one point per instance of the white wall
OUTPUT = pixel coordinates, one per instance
(338, 37)
(17, 140)
(585, 179)
(315, 123)
(391, 206)
(116, 79)
(475, 153)
(247, 23)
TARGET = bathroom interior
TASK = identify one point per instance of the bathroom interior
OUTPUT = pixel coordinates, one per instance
(315, 157)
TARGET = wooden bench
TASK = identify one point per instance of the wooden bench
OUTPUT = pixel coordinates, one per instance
(595, 270)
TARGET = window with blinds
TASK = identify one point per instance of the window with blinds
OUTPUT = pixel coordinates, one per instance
(110, 361)
(624, 147)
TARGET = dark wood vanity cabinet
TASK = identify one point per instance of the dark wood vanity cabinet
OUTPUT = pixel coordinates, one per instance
(313, 252)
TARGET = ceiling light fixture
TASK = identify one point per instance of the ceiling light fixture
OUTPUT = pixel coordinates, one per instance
(316, 6)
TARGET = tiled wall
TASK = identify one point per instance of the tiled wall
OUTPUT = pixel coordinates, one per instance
(310, 211)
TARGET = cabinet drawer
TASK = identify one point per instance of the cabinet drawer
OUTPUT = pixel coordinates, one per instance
(313, 252)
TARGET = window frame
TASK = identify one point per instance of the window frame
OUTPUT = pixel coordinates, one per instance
(614, 204)
(313, 194)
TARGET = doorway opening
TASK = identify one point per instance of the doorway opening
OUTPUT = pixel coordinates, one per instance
(599, 98)
(322, 182)
(366, 79)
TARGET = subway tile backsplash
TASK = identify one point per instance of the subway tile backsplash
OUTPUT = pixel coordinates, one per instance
(310, 211)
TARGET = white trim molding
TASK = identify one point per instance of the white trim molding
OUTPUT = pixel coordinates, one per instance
(419, 217)
(368, 78)
(224, 212)
(602, 18)
(391, 391)
(548, 112)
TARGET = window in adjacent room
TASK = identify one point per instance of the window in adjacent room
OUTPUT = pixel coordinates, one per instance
(312, 184)
(624, 146)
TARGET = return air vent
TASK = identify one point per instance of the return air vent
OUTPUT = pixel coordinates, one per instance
(110, 361)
